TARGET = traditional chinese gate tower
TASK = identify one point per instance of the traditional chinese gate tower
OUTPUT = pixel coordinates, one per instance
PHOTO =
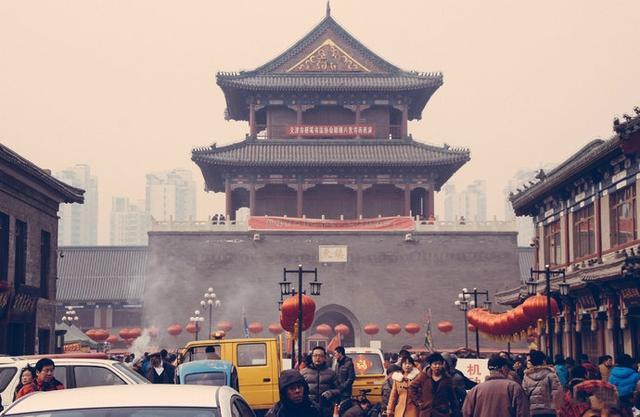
(328, 135)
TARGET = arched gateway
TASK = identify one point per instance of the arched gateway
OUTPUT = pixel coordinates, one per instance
(334, 314)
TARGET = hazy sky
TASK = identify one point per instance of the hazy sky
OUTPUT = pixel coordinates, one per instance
(128, 87)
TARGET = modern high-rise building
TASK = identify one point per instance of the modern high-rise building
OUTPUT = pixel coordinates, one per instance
(129, 222)
(171, 195)
(79, 222)
(471, 203)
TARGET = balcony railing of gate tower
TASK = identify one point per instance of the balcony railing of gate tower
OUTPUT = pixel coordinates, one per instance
(281, 132)
(218, 224)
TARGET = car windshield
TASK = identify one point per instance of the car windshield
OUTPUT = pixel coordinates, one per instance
(206, 378)
(367, 363)
(128, 412)
(131, 374)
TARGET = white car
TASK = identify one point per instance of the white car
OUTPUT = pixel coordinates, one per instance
(72, 372)
(134, 401)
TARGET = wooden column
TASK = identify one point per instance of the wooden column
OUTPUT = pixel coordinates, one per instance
(567, 252)
(430, 210)
(598, 226)
(252, 199)
(404, 128)
(407, 200)
(252, 120)
(359, 200)
(299, 200)
(227, 196)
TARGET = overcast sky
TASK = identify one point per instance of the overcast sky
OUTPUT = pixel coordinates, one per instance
(128, 87)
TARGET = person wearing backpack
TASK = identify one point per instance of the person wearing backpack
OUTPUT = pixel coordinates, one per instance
(542, 386)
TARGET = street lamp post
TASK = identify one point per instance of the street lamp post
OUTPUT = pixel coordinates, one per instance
(286, 289)
(463, 305)
(196, 320)
(70, 316)
(210, 301)
(532, 289)
(464, 295)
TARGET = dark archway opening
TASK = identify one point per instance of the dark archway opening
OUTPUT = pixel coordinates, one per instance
(333, 318)
(239, 198)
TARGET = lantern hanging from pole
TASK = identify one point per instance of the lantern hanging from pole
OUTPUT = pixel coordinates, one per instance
(393, 328)
(445, 326)
(324, 329)
(124, 333)
(192, 327)
(225, 326)
(535, 307)
(275, 329)
(289, 312)
(255, 327)
(174, 329)
(371, 329)
(412, 328)
(471, 327)
(341, 329)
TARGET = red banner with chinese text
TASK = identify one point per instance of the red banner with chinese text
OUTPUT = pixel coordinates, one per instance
(296, 223)
(343, 131)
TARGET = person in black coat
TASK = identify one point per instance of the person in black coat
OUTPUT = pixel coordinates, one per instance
(345, 372)
(158, 373)
(294, 397)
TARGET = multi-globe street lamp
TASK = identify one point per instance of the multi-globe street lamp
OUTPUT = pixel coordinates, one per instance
(464, 303)
(70, 316)
(286, 289)
(532, 289)
(210, 301)
(196, 319)
(472, 297)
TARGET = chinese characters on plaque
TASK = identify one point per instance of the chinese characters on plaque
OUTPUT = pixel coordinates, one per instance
(318, 131)
(332, 253)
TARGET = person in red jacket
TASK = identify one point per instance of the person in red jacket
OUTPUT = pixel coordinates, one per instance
(45, 381)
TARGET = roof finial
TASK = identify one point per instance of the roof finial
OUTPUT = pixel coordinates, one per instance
(328, 8)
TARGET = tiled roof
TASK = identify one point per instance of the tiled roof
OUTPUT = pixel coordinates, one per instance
(101, 273)
(332, 82)
(269, 77)
(68, 194)
(330, 153)
(586, 158)
(327, 154)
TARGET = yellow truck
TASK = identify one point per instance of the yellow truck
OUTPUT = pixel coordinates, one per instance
(257, 361)
(368, 364)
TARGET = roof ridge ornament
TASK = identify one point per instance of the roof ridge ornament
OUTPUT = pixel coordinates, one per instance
(328, 8)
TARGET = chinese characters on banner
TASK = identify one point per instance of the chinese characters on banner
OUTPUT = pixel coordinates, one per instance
(474, 369)
(318, 131)
(398, 223)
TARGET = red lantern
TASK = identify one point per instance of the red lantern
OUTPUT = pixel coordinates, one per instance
(371, 329)
(471, 327)
(225, 326)
(341, 329)
(393, 328)
(324, 329)
(412, 328)
(101, 335)
(289, 312)
(135, 333)
(445, 326)
(255, 327)
(91, 333)
(153, 331)
(174, 329)
(124, 333)
(275, 329)
(535, 307)
(112, 339)
(192, 327)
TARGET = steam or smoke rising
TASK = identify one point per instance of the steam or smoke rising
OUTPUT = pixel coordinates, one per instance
(141, 344)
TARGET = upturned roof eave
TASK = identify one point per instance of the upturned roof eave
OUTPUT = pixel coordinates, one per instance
(567, 171)
(66, 192)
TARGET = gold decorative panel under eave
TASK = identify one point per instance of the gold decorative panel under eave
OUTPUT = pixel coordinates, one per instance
(328, 57)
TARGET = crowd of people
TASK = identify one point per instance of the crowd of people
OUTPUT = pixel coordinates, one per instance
(431, 386)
